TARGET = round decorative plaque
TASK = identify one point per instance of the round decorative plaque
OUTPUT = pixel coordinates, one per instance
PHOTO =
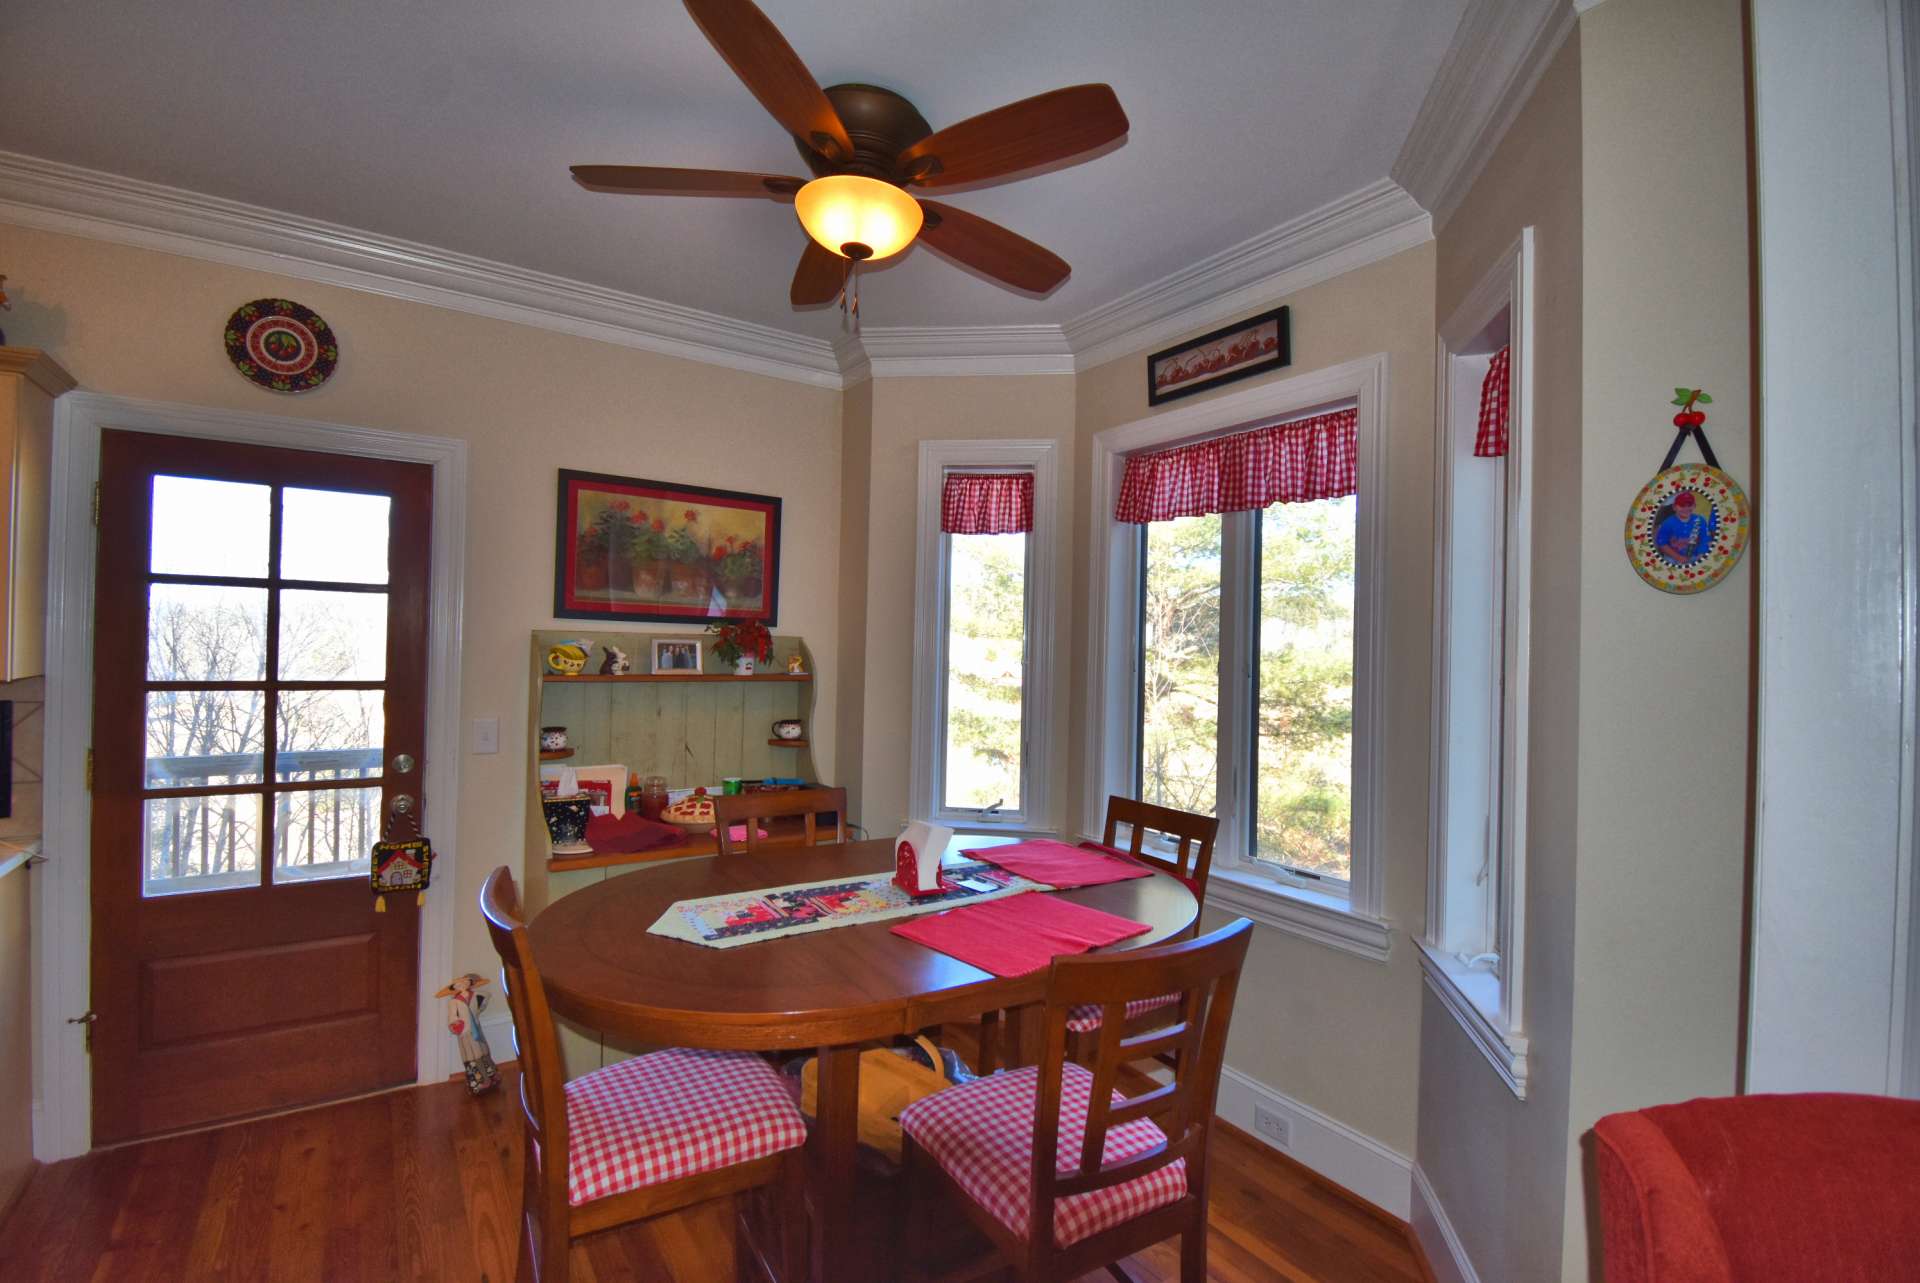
(281, 345)
(1687, 528)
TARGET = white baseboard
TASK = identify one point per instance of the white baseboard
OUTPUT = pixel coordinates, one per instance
(1445, 1255)
(1346, 1157)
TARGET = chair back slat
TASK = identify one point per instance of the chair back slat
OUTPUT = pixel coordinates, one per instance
(1205, 973)
(542, 1072)
(748, 809)
(1192, 858)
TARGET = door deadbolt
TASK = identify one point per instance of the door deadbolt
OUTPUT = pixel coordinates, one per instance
(403, 764)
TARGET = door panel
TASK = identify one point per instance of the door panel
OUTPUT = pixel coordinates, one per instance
(260, 660)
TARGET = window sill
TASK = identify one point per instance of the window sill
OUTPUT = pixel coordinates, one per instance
(1312, 915)
(1473, 998)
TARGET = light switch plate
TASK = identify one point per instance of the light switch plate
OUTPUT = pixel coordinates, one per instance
(486, 735)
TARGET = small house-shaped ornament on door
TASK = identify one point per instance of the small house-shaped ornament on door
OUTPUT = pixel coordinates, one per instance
(916, 858)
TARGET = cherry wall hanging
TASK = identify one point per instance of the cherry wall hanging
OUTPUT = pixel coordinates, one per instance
(1689, 525)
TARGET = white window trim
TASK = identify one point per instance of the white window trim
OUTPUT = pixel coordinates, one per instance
(63, 914)
(1355, 924)
(1040, 456)
(1490, 1008)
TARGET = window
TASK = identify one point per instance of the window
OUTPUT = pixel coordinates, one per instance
(1269, 593)
(982, 665)
(1475, 936)
(1234, 626)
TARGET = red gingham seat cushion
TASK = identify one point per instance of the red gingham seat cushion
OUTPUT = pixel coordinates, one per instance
(1083, 1020)
(670, 1114)
(981, 1134)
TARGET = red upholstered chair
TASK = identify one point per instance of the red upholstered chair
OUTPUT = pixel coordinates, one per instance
(1812, 1188)
(646, 1136)
(1055, 1167)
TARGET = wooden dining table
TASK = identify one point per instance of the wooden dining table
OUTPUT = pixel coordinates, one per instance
(833, 990)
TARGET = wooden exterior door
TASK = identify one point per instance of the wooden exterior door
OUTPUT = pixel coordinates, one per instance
(259, 702)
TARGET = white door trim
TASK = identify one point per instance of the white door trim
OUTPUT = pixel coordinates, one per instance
(62, 903)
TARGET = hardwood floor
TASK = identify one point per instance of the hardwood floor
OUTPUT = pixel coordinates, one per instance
(423, 1184)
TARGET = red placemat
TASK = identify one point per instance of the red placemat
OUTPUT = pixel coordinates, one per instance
(1061, 866)
(1019, 934)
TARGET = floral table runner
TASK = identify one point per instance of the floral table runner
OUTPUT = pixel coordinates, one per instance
(742, 917)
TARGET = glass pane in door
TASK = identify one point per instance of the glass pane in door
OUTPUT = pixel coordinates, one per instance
(206, 527)
(330, 734)
(206, 633)
(334, 535)
(202, 737)
(325, 833)
(201, 843)
(332, 636)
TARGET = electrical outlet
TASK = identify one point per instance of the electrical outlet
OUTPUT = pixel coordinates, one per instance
(1273, 1125)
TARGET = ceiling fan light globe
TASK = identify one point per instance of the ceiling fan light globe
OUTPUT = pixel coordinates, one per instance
(844, 210)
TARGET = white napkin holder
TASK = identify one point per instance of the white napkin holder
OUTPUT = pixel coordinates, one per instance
(916, 857)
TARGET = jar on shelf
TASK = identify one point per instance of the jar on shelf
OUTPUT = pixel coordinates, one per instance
(653, 796)
(553, 739)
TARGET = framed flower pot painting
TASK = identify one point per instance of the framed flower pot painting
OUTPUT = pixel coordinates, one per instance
(630, 548)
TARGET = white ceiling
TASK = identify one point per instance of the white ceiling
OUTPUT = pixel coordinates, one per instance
(452, 123)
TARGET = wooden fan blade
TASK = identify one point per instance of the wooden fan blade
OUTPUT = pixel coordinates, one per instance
(648, 180)
(819, 277)
(1034, 131)
(992, 249)
(768, 66)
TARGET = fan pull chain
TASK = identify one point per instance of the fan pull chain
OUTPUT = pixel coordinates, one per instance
(850, 298)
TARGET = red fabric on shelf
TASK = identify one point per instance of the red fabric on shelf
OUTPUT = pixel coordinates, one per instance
(1019, 934)
(1820, 1186)
(1293, 462)
(1490, 442)
(608, 835)
(1061, 866)
(979, 503)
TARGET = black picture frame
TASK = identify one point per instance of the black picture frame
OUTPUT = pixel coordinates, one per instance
(1171, 373)
(701, 574)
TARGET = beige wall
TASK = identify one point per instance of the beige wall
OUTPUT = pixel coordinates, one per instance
(1497, 1164)
(1662, 850)
(16, 1024)
(1630, 161)
(135, 323)
(1335, 1031)
(905, 412)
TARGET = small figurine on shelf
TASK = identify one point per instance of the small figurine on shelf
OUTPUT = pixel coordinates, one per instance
(616, 662)
(463, 1009)
(741, 642)
(916, 868)
(796, 666)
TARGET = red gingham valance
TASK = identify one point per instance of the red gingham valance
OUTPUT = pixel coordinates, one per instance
(1490, 442)
(1287, 463)
(980, 503)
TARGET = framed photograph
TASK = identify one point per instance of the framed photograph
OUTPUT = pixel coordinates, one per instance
(1240, 350)
(630, 548)
(677, 655)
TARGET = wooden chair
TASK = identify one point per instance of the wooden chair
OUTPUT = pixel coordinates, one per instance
(1191, 861)
(1135, 1169)
(647, 1136)
(748, 809)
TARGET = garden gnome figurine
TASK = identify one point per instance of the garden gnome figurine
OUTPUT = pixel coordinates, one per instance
(463, 1005)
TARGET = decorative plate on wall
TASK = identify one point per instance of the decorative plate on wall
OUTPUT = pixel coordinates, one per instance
(281, 345)
(1687, 528)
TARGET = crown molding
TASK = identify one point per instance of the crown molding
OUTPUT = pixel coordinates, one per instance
(1363, 227)
(1499, 52)
(66, 198)
(911, 351)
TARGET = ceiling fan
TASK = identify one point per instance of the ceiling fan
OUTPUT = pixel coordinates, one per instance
(867, 147)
